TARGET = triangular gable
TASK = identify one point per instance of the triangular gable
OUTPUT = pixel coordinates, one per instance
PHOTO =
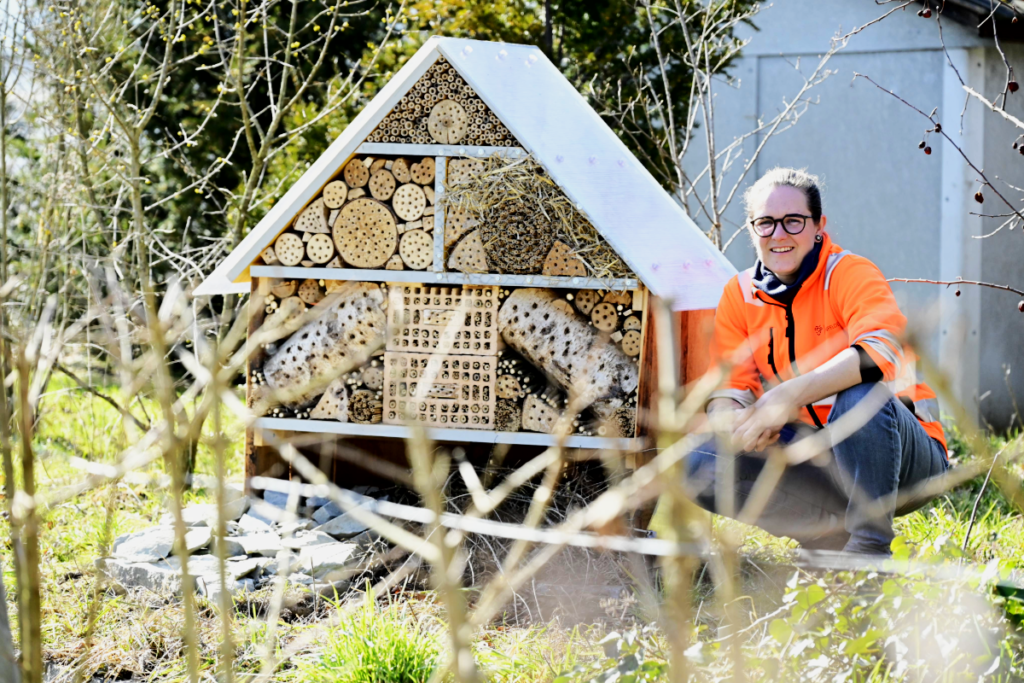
(551, 120)
(225, 277)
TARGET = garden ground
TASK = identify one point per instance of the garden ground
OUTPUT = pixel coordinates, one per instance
(795, 625)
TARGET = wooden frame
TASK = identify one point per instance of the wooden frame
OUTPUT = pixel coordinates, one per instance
(445, 278)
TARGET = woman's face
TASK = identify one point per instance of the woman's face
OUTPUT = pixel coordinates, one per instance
(781, 252)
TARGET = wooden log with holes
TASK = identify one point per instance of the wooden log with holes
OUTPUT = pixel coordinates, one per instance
(409, 202)
(335, 194)
(283, 289)
(400, 169)
(423, 172)
(416, 249)
(320, 248)
(289, 249)
(585, 301)
(382, 185)
(356, 174)
(269, 257)
(563, 261)
(365, 233)
(469, 255)
(569, 351)
(448, 122)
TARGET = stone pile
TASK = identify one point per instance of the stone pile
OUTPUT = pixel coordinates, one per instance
(319, 549)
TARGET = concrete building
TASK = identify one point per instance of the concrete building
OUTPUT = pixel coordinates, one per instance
(913, 214)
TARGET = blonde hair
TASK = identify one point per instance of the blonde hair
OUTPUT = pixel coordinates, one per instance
(779, 176)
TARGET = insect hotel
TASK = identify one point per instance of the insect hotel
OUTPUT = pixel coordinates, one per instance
(477, 251)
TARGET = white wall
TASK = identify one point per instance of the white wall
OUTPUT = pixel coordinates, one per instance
(884, 198)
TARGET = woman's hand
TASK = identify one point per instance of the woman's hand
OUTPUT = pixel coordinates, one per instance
(758, 426)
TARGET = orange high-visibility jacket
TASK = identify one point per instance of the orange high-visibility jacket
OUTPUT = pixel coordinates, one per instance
(845, 302)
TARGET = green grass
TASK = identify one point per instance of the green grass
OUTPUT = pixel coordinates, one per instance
(844, 629)
(376, 645)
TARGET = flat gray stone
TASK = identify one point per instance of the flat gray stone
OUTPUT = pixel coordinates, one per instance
(164, 576)
(210, 586)
(344, 526)
(326, 513)
(317, 501)
(198, 538)
(197, 566)
(306, 538)
(267, 544)
(292, 528)
(252, 525)
(291, 562)
(270, 514)
(205, 514)
(233, 491)
(231, 546)
(327, 560)
(242, 568)
(276, 498)
(301, 579)
(148, 545)
(158, 577)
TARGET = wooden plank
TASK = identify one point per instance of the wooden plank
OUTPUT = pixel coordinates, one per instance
(259, 288)
(647, 392)
(695, 332)
(451, 435)
(647, 382)
(440, 174)
(405, 149)
(419, 276)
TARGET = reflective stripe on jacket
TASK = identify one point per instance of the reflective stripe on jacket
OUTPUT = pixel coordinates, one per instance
(845, 302)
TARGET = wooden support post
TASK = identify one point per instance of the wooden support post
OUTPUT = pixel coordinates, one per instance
(257, 301)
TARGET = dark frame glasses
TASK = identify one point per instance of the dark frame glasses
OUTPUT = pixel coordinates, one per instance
(792, 223)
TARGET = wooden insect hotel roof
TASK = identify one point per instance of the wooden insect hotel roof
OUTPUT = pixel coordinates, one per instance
(511, 102)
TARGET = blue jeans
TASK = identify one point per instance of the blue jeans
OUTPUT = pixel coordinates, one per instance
(848, 503)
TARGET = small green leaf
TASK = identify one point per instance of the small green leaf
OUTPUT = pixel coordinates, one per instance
(892, 589)
(780, 630)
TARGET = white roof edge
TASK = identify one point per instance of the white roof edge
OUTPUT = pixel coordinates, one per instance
(216, 283)
(669, 253)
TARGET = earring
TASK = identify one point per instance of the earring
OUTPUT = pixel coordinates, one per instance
(818, 237)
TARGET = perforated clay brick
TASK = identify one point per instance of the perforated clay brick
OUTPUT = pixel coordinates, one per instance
(455, 320)
(459, 393)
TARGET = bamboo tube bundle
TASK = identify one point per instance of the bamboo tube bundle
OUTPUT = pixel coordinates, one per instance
(441, 108)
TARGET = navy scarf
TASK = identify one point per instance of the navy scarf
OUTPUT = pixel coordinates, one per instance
(769, 283)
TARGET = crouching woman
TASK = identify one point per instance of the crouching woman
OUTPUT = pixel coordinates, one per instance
(809, 334)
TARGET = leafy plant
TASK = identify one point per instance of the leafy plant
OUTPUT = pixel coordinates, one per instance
(629, 657)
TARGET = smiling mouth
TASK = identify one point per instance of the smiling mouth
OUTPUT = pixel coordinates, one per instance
(781, 250)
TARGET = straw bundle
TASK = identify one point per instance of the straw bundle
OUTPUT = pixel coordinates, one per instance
(515, 198)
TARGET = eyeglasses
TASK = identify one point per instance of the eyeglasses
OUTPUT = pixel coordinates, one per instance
(793, 223)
